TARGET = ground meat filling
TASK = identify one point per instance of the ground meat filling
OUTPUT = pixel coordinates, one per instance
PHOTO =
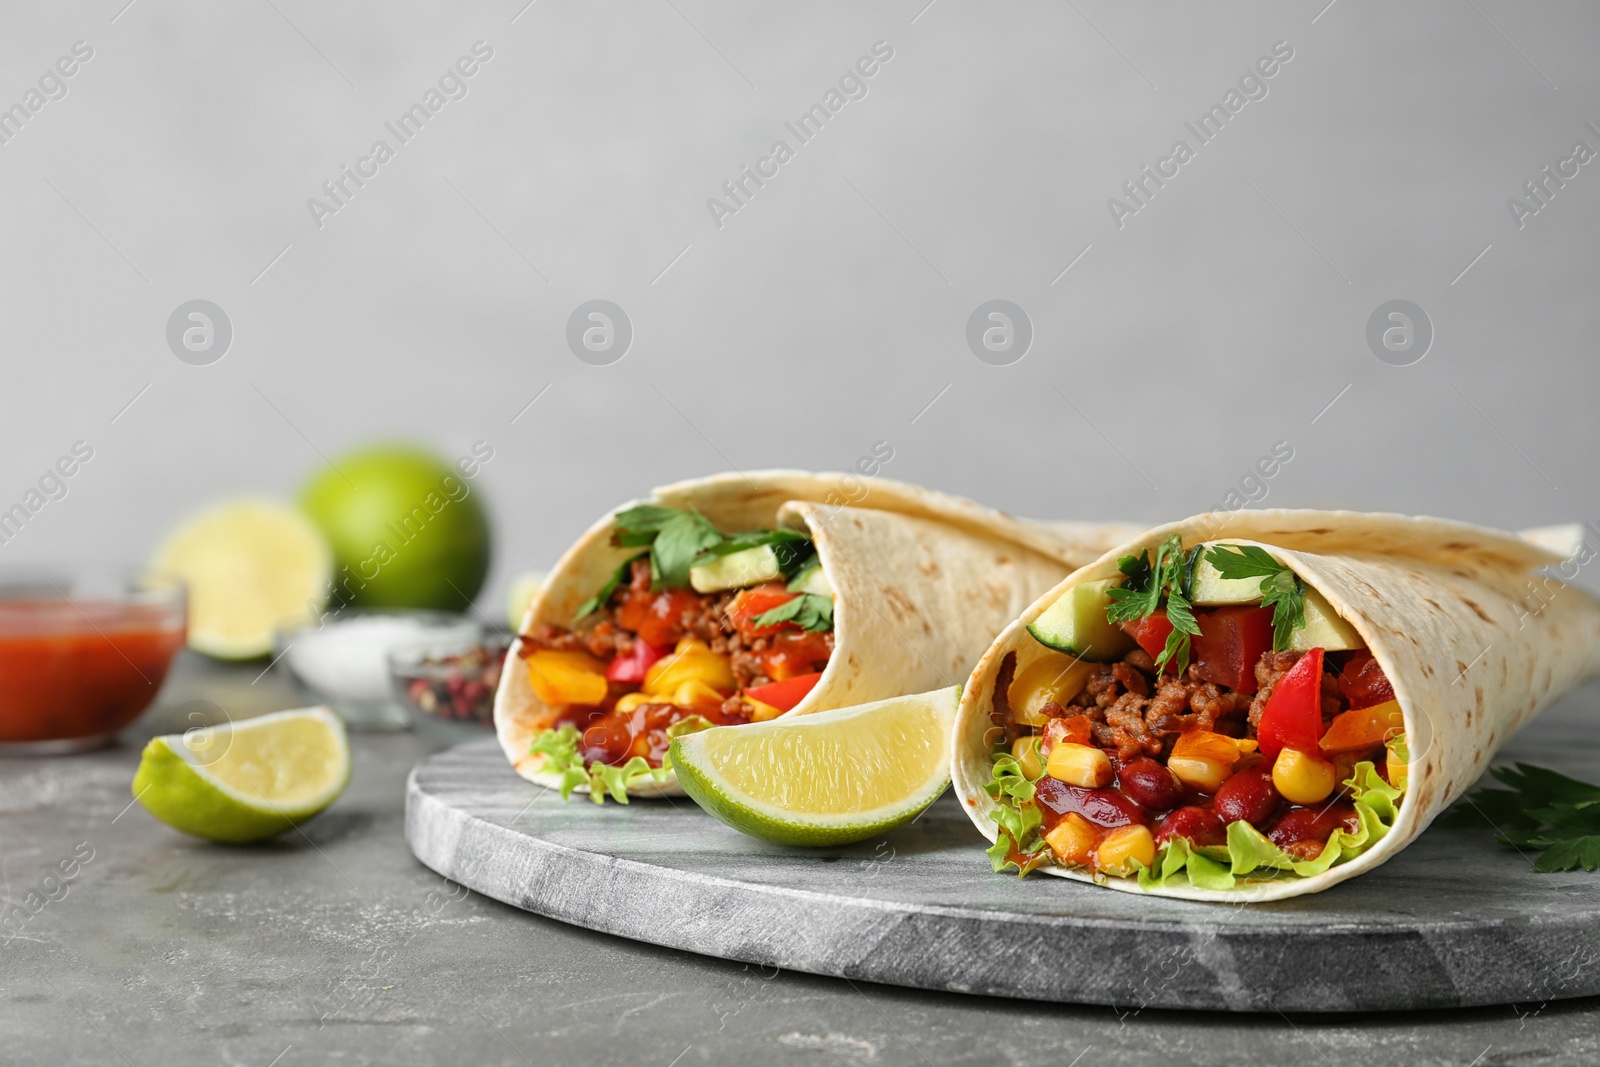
(1136, 714)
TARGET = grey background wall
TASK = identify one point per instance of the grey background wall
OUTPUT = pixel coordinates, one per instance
(1227, 314)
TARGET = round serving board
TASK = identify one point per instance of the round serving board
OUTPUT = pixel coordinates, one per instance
(1455, 920)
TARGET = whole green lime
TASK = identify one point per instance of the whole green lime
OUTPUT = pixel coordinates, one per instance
(407, 529)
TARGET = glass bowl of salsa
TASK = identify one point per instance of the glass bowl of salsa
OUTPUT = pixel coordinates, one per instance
(81, 657)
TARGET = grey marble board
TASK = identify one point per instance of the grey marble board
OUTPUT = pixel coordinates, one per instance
(1455, 920)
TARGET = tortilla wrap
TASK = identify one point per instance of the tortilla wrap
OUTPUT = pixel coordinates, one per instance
(922, 583)
(1449, 610)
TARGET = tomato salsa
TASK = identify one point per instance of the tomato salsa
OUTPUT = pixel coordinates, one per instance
(78, 671)
(704, 628)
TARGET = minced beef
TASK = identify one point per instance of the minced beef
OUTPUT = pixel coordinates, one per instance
(1137, 713)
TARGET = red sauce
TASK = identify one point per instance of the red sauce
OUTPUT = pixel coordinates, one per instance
(81, 669)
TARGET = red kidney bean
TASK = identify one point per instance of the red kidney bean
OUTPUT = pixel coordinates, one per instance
(1103, 807)
(1248, 795)
(1201, 826)
(1149, 784)
(605, 742)
(1312, 824)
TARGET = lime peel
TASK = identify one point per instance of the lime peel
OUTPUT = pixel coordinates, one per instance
(828, 778)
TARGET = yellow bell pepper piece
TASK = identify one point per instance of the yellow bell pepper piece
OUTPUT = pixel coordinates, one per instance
(566, 677)
(691, 661)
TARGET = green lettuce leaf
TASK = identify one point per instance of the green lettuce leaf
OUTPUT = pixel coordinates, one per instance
(560, 751)
(1017, 817)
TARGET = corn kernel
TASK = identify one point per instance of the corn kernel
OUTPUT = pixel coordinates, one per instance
(1026, 751)
(760, 712)
(1073, 839)
(1081, 765)
(1053, 677)
(628, 701)
(1125, 846)
(1302, 778)
(696, 694)
(1200, 773)
(1397, 771)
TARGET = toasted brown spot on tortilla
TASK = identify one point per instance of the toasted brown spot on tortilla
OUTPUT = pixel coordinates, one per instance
(1461, 668)
(1319, 530)
(1436, 605)
(903, 608)
(928, 567)
(1476, 610)
(1427, 668)
(1459, 546)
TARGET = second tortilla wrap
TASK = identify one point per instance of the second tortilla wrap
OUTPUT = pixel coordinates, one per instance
(1447, 609)
(922, 581)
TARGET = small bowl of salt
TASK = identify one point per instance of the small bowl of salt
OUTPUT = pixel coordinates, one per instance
(343, 660)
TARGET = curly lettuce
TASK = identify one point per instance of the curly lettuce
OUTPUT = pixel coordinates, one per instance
(1017, 816)
(560, 751)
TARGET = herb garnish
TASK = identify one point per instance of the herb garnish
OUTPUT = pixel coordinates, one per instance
(1280, 589)
(1140, 596)
(676, 538)
(624, 573)
(807, 611)
(1544, 810)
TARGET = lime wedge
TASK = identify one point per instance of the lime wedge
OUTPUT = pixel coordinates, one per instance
(828, 778)
(248, 780)
(251, 566)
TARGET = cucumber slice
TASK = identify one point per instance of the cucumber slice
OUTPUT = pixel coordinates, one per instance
(752, 566)
(811, 579)
(1324, 629)
(1210, 587)
(1076, 624)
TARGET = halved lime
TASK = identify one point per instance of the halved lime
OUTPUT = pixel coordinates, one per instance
(251, 567)
(829, 778)
(248, 780)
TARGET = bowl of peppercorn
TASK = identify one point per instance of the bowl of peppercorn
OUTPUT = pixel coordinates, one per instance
(449, 684)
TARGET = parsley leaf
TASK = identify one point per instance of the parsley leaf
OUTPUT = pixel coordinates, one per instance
(1140, 596)
(1184, 626)
(807, 611)
(1544, 810)
(676, 539)
(1281, 590)
(790, 546)
(594, 603)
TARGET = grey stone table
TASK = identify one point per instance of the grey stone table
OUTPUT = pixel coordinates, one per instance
(337, 946)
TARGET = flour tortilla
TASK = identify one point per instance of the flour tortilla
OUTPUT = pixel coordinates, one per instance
(1447, 608)
(922, 582)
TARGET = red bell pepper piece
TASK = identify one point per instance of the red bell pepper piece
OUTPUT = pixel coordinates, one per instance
(1363, 682)
(786, 694)
(1293, 715)
(630, 669)
(1230, 642)
(759, 600)
(1151, 632)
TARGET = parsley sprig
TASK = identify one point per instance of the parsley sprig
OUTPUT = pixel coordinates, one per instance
(807, 611)
(1141, 595)
(1543, 810)
(1284, 593)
